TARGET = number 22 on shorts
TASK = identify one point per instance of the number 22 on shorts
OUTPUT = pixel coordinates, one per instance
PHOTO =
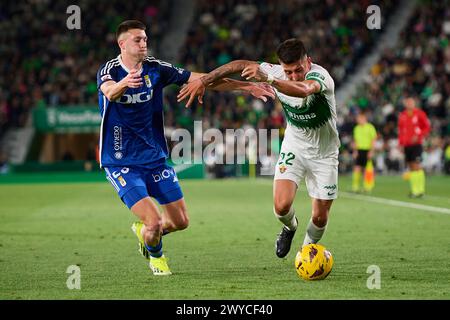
(289, 157)
(286, 160)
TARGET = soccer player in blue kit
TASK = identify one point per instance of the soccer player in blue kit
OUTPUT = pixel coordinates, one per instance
(133, 149)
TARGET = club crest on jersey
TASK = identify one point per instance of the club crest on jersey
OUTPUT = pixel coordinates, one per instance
(122, 181)
(283, 168)
(148, 83)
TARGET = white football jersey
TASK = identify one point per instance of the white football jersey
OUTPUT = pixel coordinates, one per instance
(311, 121)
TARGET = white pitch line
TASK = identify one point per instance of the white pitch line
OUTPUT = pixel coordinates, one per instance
(446, 199)
(396, 203)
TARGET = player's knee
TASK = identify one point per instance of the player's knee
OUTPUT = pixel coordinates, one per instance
(282, 206)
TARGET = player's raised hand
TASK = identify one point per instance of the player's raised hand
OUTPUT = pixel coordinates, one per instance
(254, 72)
(262, 91)
(133, 79)
(191, 90)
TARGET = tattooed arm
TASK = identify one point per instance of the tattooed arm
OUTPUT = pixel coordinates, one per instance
(212, 80)
(225, 70)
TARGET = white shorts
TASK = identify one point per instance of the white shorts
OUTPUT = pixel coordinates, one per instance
(320, 174)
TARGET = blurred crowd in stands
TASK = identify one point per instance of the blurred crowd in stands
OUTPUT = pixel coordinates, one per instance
(420, 66)
(44, 64)
(226, 30)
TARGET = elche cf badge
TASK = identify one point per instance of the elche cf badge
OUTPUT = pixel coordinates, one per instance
(148, 83)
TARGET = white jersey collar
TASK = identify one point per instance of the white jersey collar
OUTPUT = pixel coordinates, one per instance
(123, 65)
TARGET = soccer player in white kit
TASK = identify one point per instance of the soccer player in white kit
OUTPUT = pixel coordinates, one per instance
(311, 143)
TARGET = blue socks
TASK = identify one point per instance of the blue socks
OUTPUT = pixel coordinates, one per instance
(155, 251)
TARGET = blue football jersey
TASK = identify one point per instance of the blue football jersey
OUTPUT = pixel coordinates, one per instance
(132, 128)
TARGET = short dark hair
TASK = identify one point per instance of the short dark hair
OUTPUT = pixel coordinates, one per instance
(127, 25)
(291, 51)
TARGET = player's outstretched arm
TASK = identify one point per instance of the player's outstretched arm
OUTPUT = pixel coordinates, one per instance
(299, 89)
(198, 85)
(258, 90)
(114, 90)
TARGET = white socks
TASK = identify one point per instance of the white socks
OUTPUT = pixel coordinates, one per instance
(313, 233)
(289, 219)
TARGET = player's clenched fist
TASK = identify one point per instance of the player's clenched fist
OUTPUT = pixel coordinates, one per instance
(133, 79)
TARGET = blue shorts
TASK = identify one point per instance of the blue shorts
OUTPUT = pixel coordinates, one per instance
(135, 183)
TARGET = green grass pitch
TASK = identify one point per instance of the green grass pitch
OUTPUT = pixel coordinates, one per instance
(228, 250)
